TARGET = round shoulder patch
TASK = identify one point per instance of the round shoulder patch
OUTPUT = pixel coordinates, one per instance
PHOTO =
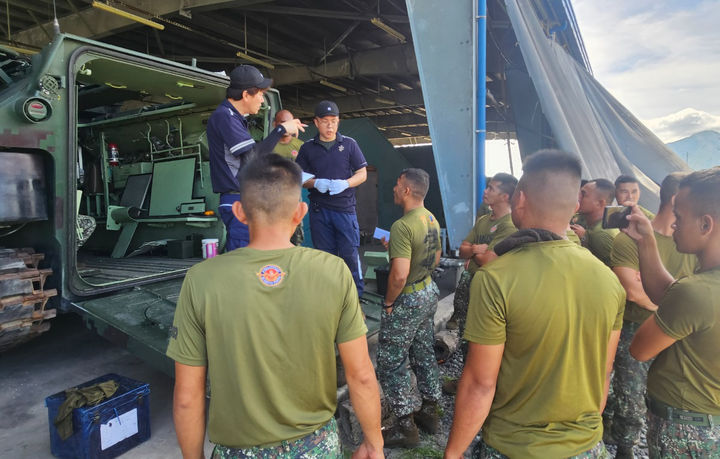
(271, 275)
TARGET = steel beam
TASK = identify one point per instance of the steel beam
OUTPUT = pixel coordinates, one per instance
(331, 14)
(396, 60)
(107, 24)
(445, 51)
(349, 104)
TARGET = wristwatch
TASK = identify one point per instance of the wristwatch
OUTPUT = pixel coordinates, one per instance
(388, 306)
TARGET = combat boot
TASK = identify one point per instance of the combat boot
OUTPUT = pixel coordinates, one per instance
(404, 434)
(624, 452)
(428, 418)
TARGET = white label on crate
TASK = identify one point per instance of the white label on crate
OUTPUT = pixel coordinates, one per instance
(118, 428)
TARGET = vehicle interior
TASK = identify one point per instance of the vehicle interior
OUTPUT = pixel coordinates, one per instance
(144, 199)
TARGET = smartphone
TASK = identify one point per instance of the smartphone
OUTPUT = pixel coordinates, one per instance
(616, 217)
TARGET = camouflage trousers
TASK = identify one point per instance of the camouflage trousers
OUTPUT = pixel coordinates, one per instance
(461, 301)
(298, 236)
(484, 451)
(321, 444)
(407, 335)
(669, 440)
(629, 384)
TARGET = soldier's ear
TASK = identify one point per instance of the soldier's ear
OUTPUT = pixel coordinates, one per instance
(239, 212)
(300, 212)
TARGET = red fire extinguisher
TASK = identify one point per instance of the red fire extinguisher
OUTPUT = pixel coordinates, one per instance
(114, 158)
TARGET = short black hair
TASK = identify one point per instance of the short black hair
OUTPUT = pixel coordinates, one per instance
(605, 188)
(507, 183)
(626, 179)
(553, 160)
(550, 181)
(418, 181)
(237, 94)
(704, 186)
(669, 187)
(270, 185)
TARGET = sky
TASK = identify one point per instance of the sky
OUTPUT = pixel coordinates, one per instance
(659, 58)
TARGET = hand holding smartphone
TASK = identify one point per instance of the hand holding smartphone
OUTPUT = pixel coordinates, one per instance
(616, 217)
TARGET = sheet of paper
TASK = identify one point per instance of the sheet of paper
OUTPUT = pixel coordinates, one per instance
(381, 233)
(118, 429)
(306, 177)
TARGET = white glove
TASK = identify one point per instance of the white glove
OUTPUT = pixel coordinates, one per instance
(338, 186)
(323, 184)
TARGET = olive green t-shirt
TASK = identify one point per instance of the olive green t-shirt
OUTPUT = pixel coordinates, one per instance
(600, 240)
(554, 315)
(647, 213)
(265, 323)
(288, 150)
(490, 232)
(625, 255)
(572, 237)
(686, 375)
(416, 236)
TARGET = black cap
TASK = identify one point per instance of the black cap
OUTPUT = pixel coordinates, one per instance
(326, 108)
(247, 76)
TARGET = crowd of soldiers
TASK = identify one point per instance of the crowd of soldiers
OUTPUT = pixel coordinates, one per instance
(534, 366)
(541, 315)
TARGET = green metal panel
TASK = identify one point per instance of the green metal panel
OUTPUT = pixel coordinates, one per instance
(137, 320)
(172, 185)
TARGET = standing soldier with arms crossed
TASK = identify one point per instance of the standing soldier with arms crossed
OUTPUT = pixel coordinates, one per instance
(406, 326)
(477, 248)
(683, 383)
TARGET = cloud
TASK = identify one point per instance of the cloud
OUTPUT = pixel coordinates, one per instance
(656, 57)
(682, 124)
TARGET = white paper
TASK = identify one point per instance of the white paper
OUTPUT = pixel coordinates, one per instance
(118, 428)
(306, 177)
(381, 233)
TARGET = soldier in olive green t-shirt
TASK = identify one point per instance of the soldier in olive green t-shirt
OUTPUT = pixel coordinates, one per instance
(543, 324)
(477, 246)
(289, 149)
(262, 322)
(406, 326)
(630, 378)
(684, 379)
(594, 196)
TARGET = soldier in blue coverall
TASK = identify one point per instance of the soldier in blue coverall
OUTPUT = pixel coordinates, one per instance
(231, 145)
(338, 166)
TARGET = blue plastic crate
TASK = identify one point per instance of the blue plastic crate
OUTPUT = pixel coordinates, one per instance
(107, 429)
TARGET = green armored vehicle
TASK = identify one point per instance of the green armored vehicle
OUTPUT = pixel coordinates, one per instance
(105, 188)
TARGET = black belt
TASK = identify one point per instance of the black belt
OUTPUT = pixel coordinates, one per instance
(678, 416)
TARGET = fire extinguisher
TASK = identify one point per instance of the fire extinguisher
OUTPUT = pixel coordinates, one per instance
(114, 154)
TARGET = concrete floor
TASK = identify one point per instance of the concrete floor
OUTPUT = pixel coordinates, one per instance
(65, 356)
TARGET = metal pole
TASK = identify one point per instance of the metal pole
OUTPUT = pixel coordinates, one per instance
(481, 26)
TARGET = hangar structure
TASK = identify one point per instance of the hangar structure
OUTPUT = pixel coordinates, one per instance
(409, 66)
(358, 52)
